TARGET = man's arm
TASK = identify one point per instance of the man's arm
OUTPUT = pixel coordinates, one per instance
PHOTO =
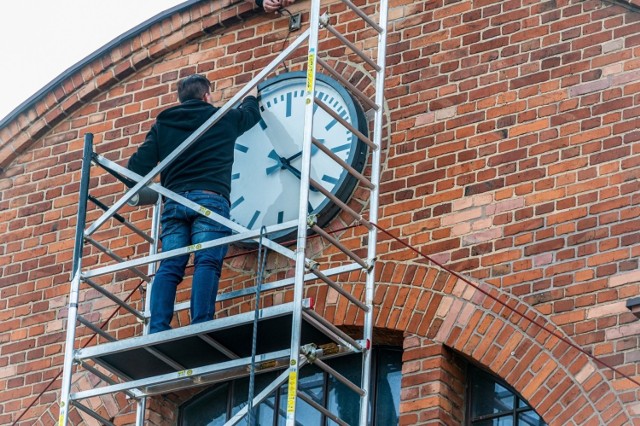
(147, 156)
(249, 112)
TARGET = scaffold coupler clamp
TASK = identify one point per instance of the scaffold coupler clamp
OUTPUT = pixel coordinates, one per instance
(311, 352)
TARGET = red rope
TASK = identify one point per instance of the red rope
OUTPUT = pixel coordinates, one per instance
(522, 315)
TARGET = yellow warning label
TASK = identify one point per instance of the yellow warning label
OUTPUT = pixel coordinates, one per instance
(194, 247)
(185, 373)
(311, 69)
(291, 397)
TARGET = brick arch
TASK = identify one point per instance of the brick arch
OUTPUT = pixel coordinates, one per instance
(98, 73)
(563, 384)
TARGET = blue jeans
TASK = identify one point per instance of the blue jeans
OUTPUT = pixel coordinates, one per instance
(182, 227)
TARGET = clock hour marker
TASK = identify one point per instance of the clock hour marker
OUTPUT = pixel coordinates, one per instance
(263, 125)
(341, 148)
(331, 124)
(241, 148)
(237, 202)
(235, 176)
(309, 208)
(288, 106)
(329, 179)
(280, 216)
(253, 219)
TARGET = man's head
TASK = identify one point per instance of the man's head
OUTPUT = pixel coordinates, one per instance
(195, 86)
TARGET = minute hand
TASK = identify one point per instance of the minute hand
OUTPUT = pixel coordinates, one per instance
(294, 171)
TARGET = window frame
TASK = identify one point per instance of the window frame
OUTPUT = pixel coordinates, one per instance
(231, 385)
(472, 373)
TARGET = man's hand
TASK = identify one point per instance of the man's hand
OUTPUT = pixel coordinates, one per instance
(271, 5)
(253, 92)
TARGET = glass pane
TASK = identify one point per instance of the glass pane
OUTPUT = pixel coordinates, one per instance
(489, 397)
(530, 418)
(501, 421)
(208, 410)
(344, 402)
(311, 382)
(264, 411)
(389, 375)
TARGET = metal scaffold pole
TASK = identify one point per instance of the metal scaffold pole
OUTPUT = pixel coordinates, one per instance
(153, 364)
(72, 313)
(301, 241)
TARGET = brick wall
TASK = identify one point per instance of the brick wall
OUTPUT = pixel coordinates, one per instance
(511, 155)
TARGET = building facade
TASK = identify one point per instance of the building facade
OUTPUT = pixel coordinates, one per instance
(511, 164)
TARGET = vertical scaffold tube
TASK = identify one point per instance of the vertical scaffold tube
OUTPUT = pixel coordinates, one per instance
(151, 271)
(72, 313)
(305, 171)
(373, 210)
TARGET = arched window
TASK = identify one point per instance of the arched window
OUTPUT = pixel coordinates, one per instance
(494, 403)
(216, 405)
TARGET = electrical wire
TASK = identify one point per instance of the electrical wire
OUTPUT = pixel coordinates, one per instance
(282, 9)
(46, 388)
(505, 305)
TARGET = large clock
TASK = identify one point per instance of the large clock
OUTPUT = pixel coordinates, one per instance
(265, 183)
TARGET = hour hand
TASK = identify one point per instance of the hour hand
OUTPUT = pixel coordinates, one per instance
(279, 165)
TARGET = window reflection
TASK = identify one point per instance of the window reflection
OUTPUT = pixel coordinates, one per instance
(215, 406)
(493, 403)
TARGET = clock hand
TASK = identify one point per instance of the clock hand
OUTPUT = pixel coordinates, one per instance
(314, 149)
(274, 156)
(283, 163)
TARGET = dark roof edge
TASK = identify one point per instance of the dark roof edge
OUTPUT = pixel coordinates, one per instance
(88, 59)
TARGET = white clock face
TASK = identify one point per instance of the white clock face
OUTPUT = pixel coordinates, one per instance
(265, 185)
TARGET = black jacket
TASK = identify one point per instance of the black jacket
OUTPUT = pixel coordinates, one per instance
(207, 163)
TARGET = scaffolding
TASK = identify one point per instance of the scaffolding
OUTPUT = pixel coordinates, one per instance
(217, 350)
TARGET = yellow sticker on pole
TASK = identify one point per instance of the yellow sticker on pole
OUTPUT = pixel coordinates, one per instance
(311, 69)
(291, 396)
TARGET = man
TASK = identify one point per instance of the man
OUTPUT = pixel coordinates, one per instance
(273, 5)
(202, 173)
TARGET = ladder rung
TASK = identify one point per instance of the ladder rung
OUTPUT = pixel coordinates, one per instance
(320, 408)
(92, 413)
(342, 121)
(330, 329)
(113, 298)
(341, 246)
(363, 15)
(366, 182)
(339, 203)
(117, 258)
(348, 383)
(103, 377)
(120, 219)
(364, 98)
(95, 329)
(353, 47)
(340, 290)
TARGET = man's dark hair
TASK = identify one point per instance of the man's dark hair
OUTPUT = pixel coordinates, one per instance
(193, 87)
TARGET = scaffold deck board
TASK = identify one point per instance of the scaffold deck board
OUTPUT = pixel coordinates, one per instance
(201, 344)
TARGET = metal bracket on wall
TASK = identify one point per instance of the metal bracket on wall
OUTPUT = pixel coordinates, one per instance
(295, 22)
